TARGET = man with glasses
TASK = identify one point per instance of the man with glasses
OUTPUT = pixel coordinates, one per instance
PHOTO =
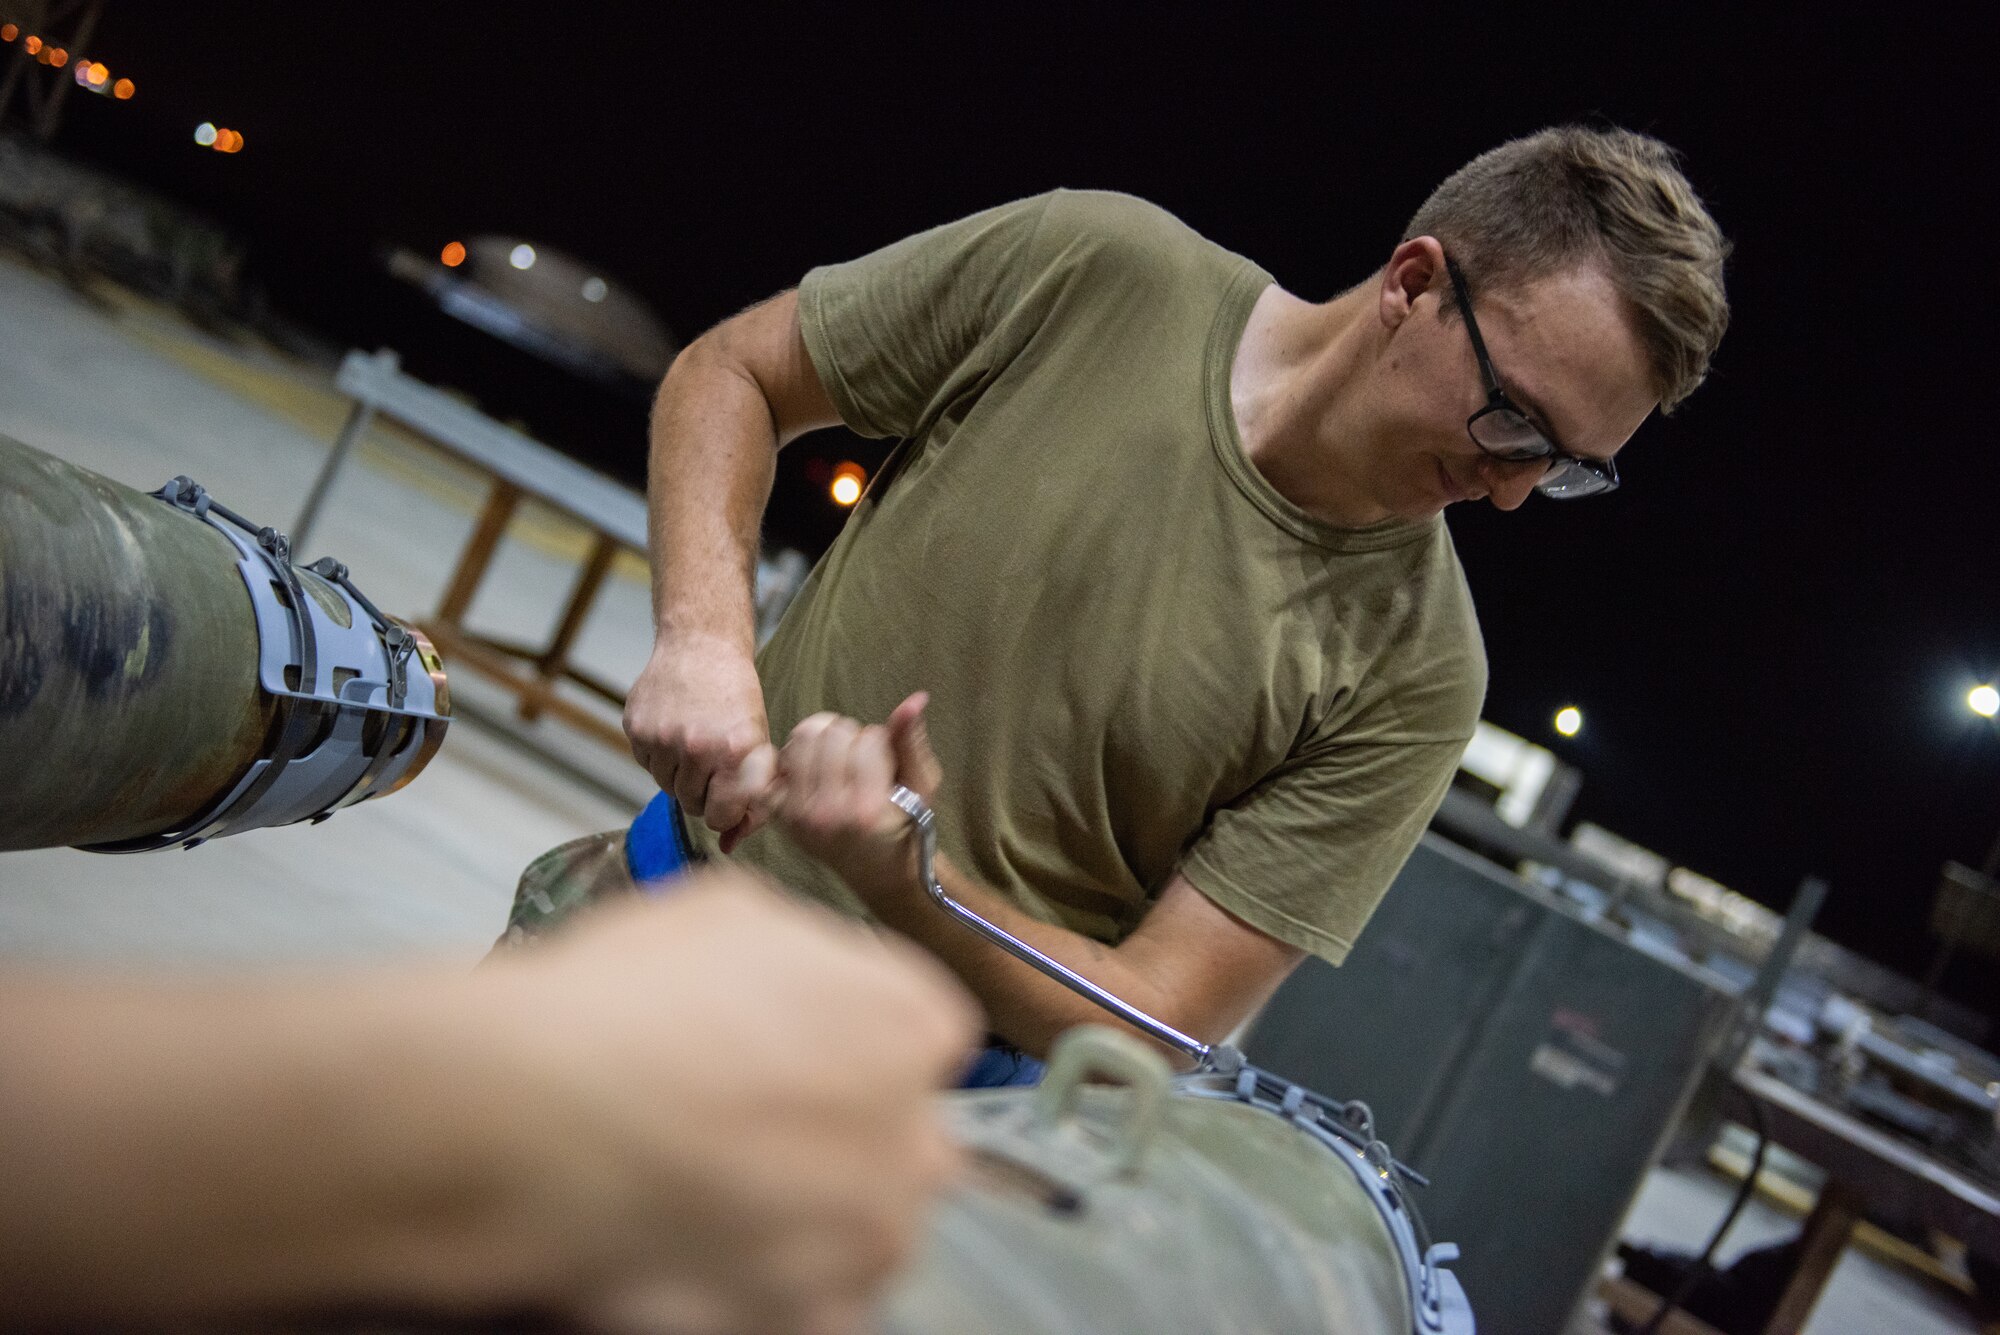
(1153, 602)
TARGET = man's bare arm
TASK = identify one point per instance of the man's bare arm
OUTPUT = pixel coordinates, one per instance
(556, 1133)
(1190, 962)
(731, 400)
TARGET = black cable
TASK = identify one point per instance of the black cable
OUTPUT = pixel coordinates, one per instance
(1704, 1264)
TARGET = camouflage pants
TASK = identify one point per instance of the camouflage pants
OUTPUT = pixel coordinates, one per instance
(565, 880)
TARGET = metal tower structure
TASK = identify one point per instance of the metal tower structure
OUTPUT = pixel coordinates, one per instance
(40, 79)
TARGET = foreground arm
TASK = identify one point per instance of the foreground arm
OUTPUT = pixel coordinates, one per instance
(709, 1113)
(1190, 963)
(695, 716)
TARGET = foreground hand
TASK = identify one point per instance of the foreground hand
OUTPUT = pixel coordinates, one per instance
(695, 718)
(834, 779)
(735, 1094)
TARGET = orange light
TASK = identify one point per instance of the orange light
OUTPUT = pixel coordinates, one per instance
(98, 75)
(123, 90)
(32, 45)
(59, 57)
(454, 254)
(8, 32)
(228, 141)
(848, 480)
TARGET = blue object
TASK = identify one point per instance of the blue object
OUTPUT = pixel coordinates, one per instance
(1000, 1066)
(657, 847)
(658, 850)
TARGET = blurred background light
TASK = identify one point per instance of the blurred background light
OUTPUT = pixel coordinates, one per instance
(848, 479)
(1983, 700)
(453, 254)
(522, 256)
(1569, 720)
(595, 289)
(204, 134)
(8, 32)
(123, 90)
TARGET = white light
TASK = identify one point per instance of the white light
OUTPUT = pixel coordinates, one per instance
(595, 289)
(1569, 720)
(204, 134)
(1983, 700)
(522, 256)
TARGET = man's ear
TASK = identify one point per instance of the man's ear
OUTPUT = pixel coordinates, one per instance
(1414, 268)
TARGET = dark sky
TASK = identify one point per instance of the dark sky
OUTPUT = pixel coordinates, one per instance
(1771, 627)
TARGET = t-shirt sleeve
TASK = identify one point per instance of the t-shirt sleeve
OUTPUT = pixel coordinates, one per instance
(890, 331)
(1307, 854)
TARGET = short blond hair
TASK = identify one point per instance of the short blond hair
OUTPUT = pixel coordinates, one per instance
(1571, 195)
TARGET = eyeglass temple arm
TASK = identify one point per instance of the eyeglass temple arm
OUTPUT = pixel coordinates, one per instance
(1207, 1056)
(1463, 291)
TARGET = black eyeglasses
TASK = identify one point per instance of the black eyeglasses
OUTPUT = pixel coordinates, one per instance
(1504, 431)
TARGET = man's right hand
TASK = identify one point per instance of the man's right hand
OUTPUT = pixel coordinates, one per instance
(695, 719)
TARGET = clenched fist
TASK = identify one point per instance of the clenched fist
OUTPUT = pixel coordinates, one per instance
(834, 780)
(695, 718)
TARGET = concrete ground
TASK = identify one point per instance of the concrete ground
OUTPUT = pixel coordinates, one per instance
(131, 391)
(1679, 1209)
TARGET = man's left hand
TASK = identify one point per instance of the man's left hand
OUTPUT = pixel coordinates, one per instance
(835, 775)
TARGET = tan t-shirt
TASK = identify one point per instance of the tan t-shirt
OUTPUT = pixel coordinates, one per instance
(1140, 656)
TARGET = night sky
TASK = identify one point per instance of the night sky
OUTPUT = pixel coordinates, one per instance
(1771, 628)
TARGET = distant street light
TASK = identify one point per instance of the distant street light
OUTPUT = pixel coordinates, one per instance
(848, 480)
(522, 256)
(1569, 720)
(1983, 700)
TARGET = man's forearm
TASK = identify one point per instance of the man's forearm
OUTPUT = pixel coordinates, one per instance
(712, 457)
(190, 1149)
(1023, 1005)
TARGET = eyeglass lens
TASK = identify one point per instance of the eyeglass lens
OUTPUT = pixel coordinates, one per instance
(1509, 435)
(1568, 480)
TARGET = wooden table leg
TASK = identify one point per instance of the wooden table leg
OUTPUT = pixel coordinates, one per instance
(1825, 1236)
(554, 661)
(478, 553)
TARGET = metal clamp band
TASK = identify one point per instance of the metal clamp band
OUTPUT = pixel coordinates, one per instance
(352, 721)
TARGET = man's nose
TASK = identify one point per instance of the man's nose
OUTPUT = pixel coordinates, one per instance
(1508, 483)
